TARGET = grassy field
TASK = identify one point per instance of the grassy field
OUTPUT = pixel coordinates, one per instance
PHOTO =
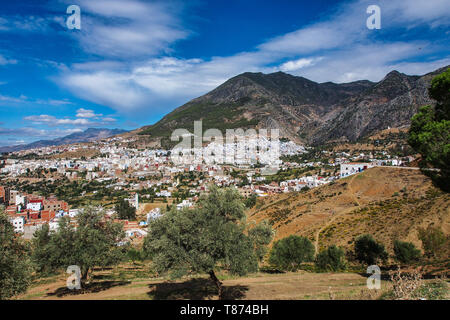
(135, 282)
(138, 282)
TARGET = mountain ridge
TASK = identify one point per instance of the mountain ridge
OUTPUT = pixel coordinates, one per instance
(88, 135)
(305, 111)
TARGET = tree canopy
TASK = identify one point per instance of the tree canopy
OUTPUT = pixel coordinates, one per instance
(406, 252)
(331, 259)
(125, 211)
(369, 251)
(290, 252)
(93, 242)
(212, 234)
(429, 133)
(15, 267)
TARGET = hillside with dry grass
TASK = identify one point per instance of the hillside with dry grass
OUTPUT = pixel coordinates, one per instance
(389, 203)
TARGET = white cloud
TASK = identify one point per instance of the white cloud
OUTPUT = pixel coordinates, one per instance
(85, 113)
(5, 61)
(295, 65)
(52, 121)
(115, 28)
(414, 12)
(338, 48)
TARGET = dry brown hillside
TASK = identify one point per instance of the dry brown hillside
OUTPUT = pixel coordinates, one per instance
(389, 203)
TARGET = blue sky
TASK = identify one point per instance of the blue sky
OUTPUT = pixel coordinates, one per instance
(133, 61)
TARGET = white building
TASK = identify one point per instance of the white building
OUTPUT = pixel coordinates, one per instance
(35, 206)
(347, 169)
(184, 204)
(21, 200)
(154, 214)
(18, 224)
(73, 213)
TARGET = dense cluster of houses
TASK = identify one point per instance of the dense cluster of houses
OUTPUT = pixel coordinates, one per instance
(28, 213)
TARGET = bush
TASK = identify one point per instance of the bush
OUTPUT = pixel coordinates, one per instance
(434, 241)
(368, 251)
(134, 255)
(289, 253)
(406, 252)
(331, 259)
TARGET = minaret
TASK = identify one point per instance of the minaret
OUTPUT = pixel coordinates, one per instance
(136, 200)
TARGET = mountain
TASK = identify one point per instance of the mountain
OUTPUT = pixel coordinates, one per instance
(304, 111)
(88, 135)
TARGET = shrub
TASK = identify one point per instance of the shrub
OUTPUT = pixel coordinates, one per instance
(134, 255)
(434, 241)
(404, 285)
(368, 251)
(331, 259)
(406, 252)
(289, 253)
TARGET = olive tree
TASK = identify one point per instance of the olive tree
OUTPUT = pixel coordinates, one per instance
(92, 242)
(198, 240)
(15, 267)
(369, 251)
(331, 259)
(290, 252)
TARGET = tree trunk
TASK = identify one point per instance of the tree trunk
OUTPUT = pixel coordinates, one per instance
(84, 276)
(217, 283)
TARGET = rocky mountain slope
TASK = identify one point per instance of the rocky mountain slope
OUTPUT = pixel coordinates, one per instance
(88, 135)
(303, 110)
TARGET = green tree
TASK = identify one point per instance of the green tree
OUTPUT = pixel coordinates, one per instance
(261, 235)
(289, 253)
(200, 239)
(134, 255)
(250, 202)
(331, 259)
(15, 267)
(406, 252)
(434, 242)
(368, 251)
(125, 211)
(429, 133)
(41, 254)
(94, 242)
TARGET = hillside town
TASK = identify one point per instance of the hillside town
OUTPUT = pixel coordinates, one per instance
(143, 176)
